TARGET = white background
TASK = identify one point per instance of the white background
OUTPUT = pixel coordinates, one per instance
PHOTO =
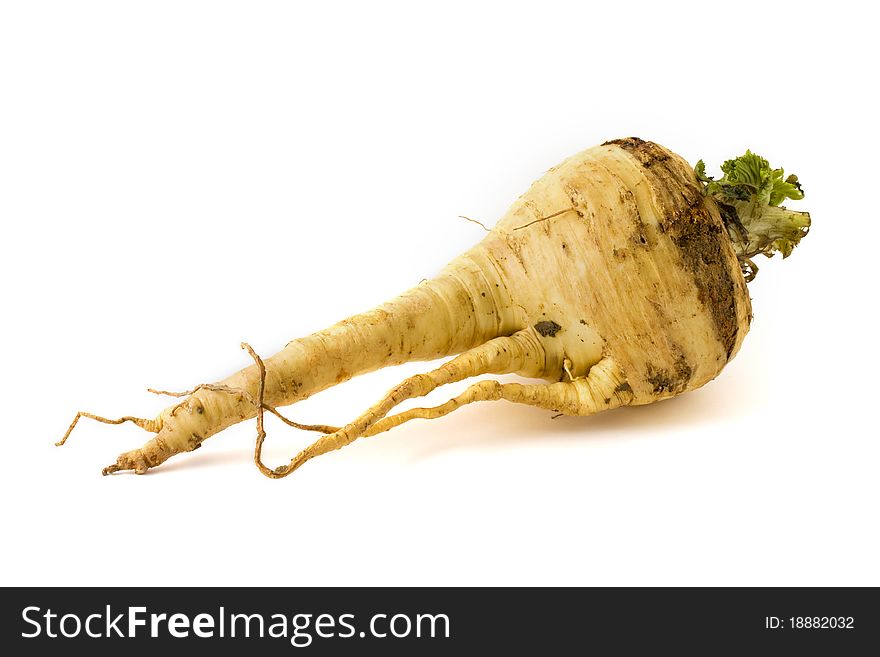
(176, 177)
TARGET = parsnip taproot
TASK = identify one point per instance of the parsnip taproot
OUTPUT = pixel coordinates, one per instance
(619, 278)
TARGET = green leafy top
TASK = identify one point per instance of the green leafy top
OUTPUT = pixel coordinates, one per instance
(749, 196)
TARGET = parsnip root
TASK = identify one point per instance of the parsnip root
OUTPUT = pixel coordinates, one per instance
(619, 278)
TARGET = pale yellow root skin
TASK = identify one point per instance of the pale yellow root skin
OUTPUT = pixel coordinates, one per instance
(612, 278)
(602, 389)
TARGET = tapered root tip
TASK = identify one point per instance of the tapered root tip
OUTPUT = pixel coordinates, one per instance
(138, 469)
(135, 461)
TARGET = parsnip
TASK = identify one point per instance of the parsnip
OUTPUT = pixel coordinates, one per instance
(619, 278)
